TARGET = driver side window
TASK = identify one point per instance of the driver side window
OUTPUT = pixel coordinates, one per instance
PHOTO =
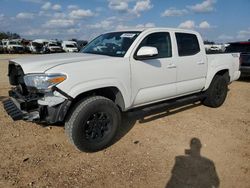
(161, 41)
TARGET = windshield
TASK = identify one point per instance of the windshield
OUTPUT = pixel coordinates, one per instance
(36, 44)
(112, 44)
(13, 43)
(70, 46)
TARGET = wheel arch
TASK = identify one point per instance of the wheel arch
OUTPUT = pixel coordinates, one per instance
(112, 93)
(221, 71)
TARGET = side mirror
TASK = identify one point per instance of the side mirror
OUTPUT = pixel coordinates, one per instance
(146, 52)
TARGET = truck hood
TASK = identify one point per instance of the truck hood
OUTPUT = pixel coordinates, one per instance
(41, 63)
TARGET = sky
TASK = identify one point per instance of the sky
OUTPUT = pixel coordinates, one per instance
(216, 20)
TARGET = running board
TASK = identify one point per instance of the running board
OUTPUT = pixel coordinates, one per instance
(166, 105)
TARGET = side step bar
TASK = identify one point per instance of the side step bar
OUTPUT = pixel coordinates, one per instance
(12, 110)
(166, 105)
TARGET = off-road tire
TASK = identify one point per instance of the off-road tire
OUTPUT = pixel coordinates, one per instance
(217, 92)
(76, 127)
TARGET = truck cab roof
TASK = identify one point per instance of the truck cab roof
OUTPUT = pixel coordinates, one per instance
(156, 29)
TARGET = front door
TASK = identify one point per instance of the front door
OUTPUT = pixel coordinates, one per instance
(154, 79)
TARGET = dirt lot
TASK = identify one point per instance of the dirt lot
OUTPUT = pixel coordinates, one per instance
(36, 156)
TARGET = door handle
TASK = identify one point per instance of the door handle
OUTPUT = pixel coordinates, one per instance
(171, 66)
(201, 63)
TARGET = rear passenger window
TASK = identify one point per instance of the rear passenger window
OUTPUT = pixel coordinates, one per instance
(161, 41)
(187, 44)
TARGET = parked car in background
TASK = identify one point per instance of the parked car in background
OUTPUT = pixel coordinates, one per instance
(214, 48)
(53, 47)
(81, 44)
(244, 49)
(69, 46)
(14, 46)
(1, 47)
(117, 72)
(4, 43)
(38, 46)
(25, 43)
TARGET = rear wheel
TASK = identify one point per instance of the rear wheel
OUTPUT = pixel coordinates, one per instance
(217, 92)
(93, 124)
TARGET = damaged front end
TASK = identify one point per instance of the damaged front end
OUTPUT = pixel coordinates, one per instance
(35, 97)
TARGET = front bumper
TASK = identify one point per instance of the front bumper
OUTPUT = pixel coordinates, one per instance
(12, 110)
(35, 109)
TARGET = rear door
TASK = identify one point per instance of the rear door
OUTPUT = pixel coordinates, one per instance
(191, 64)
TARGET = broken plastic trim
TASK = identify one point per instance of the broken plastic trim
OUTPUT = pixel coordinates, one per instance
(62, 93)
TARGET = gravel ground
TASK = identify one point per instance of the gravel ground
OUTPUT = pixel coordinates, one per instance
(150, 152)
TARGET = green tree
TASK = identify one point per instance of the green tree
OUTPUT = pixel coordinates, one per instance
(9, 35)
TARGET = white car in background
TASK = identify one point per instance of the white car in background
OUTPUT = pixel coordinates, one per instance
(14, 46)
(38, 46)
(213, 48)
(69, 46)
(53, 47)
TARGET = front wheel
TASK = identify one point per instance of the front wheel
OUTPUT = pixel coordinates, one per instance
(217, 92)
(93, 124)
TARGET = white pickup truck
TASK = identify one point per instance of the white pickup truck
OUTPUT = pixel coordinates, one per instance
(14, 46)
(117, 72)
(69, 46)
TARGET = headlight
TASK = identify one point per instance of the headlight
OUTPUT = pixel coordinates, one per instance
(43, 82)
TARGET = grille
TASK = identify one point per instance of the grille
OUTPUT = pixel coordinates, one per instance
(12, 110)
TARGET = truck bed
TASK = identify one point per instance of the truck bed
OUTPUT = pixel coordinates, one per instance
(218, 60)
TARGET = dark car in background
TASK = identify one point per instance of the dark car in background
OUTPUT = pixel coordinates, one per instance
(244, 49)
